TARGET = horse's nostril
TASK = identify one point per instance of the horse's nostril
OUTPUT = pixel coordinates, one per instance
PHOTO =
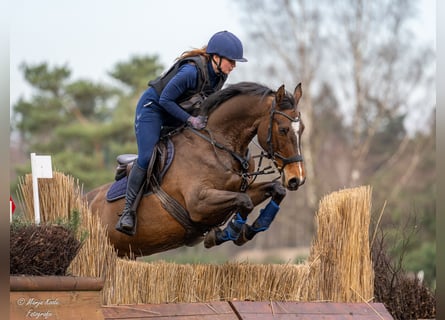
(293, 183)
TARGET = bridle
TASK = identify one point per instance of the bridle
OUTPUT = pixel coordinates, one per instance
(244, 160)
(271, 154)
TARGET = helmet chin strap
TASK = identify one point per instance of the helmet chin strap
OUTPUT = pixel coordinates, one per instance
(218, 65)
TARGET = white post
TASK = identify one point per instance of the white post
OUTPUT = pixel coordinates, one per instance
(35, 189)
(10, 211)
(35, 193)
(41, 168)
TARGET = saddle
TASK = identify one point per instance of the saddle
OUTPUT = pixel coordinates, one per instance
(160, 162)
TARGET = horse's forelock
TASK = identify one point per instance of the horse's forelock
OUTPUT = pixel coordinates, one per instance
(288, 102)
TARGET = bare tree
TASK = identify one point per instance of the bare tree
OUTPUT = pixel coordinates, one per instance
(285, 35)
(364, 56)
(385, 68)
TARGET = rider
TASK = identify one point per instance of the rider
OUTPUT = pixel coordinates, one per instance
(170, 101)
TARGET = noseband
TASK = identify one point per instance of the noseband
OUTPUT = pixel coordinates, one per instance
(271, 154)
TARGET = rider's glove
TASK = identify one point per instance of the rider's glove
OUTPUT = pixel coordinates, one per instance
(198, 122)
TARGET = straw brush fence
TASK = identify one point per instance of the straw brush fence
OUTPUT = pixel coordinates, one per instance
(338, 269)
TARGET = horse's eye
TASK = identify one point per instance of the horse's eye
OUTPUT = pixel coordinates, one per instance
(283, 131)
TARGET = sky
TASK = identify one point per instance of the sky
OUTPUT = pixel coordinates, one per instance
(90, 37)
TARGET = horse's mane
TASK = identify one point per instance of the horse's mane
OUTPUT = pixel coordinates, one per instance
(232, 90)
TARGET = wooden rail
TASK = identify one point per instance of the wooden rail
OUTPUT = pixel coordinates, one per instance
(249, 311)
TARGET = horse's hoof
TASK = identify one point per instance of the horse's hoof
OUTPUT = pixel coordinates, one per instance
(241, 240)
(243, 237)
(210, 238)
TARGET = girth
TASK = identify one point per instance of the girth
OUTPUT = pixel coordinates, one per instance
(194, 231)
(160, 161)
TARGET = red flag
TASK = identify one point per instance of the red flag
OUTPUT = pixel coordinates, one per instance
(12, 204)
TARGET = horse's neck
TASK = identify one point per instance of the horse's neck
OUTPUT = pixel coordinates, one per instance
(236, 140)
(235, 125)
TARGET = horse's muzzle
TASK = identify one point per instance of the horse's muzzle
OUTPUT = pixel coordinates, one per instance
(294, 183)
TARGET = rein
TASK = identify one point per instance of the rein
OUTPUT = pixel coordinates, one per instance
(180, 213)
(177, 211)
(247, 177)
(271, 154)
(244, 161)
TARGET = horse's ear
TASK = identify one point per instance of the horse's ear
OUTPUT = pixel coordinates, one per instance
(280, 94)
(298, 93)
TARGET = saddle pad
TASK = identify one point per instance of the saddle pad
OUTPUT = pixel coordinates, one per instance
(170, 150)
(117, 190)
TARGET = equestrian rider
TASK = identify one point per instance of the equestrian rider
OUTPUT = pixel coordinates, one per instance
(170, 101)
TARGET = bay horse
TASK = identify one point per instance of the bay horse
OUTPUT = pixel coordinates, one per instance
(212, 175)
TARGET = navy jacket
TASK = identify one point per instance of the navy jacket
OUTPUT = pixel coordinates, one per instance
(185, 80)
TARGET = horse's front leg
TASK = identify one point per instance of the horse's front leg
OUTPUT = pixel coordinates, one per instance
(237, 230)
(259, 193)
(212, 207)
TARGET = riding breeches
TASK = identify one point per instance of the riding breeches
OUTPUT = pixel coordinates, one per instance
(147, 127)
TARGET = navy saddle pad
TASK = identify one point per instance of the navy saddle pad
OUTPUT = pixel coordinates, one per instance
(118, 188)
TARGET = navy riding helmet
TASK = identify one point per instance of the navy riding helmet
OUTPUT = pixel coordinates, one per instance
(227, 45)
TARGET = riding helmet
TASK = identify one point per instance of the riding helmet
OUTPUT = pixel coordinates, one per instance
(227, 45)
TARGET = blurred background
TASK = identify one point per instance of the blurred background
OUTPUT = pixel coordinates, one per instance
(367, 70)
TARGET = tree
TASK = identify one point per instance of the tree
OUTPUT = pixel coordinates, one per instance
(391, 76)
(83, 125)
(136, 73)
(384, 70)
(287, 40)
(363, 74)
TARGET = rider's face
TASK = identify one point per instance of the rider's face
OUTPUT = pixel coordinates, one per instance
(226, 65)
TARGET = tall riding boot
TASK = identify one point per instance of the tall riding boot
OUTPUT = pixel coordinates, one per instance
(127, 221)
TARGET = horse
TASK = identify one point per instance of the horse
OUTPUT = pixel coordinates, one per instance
(212, 174)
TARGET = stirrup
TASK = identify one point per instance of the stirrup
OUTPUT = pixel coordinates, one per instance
(131, 232)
